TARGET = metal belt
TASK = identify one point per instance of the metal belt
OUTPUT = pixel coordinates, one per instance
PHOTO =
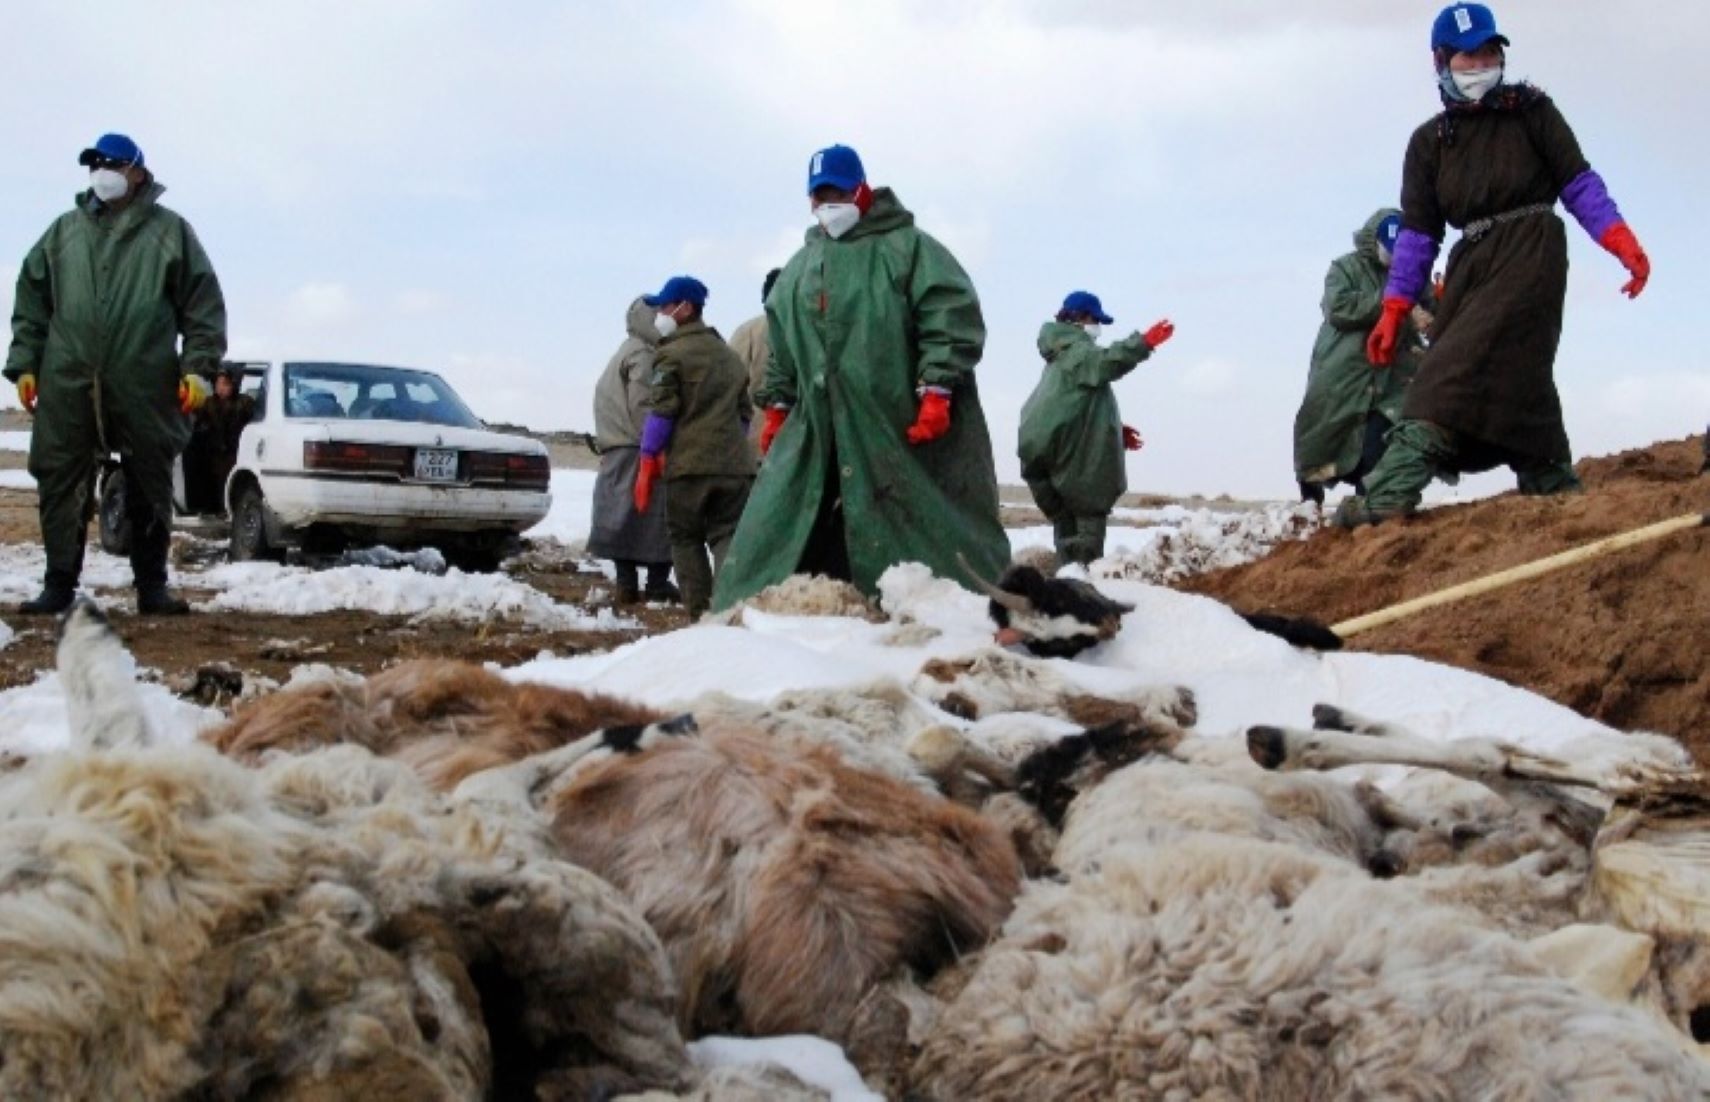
(1476, 230)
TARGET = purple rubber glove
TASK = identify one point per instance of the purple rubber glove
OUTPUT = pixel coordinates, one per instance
(1410, 266)
(1587, 199)
(656, 434)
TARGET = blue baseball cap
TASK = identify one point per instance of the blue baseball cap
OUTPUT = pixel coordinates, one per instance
(1463, 27)
(1388, 231)
(111, 147)
(679, 289)
(1085, 302)
(837, 165)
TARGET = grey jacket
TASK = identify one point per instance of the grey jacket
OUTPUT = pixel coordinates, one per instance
(620, 397)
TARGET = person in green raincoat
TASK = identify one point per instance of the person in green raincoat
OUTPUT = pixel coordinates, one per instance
(876, 447)
(1072, 435)
(101, 303)
(1350, 403)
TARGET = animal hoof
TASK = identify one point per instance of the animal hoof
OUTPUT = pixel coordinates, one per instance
(1266, 745)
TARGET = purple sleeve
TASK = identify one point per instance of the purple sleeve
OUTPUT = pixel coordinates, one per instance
(1587, 199)
(656, 434)
(1410, 267)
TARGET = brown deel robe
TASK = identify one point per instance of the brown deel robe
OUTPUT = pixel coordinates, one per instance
(1490, 372)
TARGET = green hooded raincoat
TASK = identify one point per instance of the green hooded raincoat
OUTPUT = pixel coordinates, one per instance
(1071, 430)
(1343, 387)
(857, 324)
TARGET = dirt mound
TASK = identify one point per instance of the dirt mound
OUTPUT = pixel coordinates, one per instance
(1624, 638)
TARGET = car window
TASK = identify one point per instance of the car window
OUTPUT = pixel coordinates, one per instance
(256, 385)
(372, 393)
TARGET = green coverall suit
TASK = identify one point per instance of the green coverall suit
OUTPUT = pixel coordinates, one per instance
(101, 302)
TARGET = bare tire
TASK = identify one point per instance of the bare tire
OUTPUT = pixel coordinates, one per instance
(249, 528)
(114, 524)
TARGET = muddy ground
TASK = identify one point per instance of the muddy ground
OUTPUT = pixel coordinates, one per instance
(1624, 638)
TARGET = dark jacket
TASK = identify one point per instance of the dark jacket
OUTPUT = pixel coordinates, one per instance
(702, 385)
(1490, 371)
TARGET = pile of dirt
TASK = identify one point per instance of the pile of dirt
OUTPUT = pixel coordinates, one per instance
(1624, 638)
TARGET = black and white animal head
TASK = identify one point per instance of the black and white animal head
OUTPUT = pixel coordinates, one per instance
(1051, 617)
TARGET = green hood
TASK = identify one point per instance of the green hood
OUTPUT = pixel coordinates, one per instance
(1057, 337)
(1365, 238)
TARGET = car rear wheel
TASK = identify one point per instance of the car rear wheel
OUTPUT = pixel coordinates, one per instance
(249, 528)
(115, 528)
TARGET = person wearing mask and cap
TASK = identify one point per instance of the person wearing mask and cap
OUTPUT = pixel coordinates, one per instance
(695, 438)
(101, 304)
(1072, 435)
(750, 341)
(877, 451)
(1493, 164)
(628, 537)
(1351, 403)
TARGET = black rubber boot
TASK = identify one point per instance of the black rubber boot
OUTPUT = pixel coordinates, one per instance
(157, 600)
(56, 596)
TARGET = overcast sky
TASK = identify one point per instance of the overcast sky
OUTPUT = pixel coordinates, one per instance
(481, 188)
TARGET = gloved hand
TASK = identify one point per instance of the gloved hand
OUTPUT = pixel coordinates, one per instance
(1131, 438)
(933, 419)
(192, 392)
(1619, 240)
(1380, 346)
(652, 470)
(769, 428)
(1159, 333)
(27, 392)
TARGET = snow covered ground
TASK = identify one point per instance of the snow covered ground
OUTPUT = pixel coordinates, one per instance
(14, 441)
(17, 480)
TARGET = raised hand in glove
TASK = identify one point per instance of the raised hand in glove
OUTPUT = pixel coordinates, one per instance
(1159, 333)
(775, 416)
(1131, 438)
(192, 392)
(652, 470)
(1619, 240)
(27, 392)
(1380, 346)
(933, 419)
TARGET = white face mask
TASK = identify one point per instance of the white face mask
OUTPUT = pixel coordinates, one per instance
(1384, 256)
(1094, 330)
(665, 323)
(1474, 83)
(837, 219)
(108, 185)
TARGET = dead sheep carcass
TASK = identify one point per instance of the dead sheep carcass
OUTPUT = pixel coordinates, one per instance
(1219, 931)
(784, 880)
(1059, 617)
(177, 925)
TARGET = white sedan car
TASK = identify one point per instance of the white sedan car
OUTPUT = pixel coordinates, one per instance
(340, 453)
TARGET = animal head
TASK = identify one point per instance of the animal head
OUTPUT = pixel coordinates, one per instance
(1051, 617)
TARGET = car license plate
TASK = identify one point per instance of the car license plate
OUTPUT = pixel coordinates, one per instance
(436, 465)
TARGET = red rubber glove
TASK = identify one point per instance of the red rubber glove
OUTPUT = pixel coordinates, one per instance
(1380, 346)
(1159, 333)
(27, 393)
(769, 429)
(933, 420)
(192, 392)
(652, 469)
(1619, 240)
(1131, 439)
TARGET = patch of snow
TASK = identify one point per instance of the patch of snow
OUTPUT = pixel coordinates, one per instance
(1200, 540)
(467, 598)
(6, 634)
(22, 566)
(17, 480)
(814, 1060)
(572, 512)
(33, 718)
(14, 441)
